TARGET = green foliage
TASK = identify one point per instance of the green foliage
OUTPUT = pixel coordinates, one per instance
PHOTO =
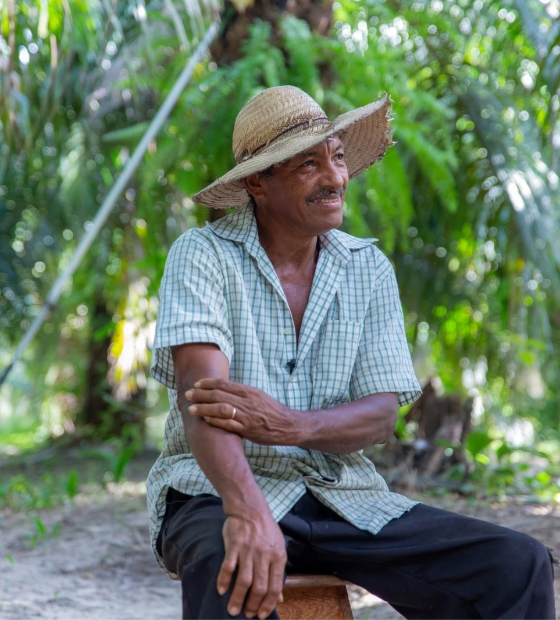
(73, 483)
(497, 469)
(117, 454)
(477, 271)
(477, 442)
(21, 492)
(40, 531)
(20, 432)
(63, 475)
(63, 96)
(466, 202)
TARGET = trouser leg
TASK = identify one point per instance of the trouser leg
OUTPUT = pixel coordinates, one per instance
(431, 563)
(192, 546)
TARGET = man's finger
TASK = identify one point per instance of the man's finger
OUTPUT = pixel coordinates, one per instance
(274, 595)
(226, 571)
(224, 411)
(222, 384)
(243, 583)
(231, 426)
(198, 395)
(259, 591)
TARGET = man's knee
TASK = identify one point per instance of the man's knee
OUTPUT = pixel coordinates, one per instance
(522, 555)
(194, 533)
(208, 564)
(207, 551)
(540, 556)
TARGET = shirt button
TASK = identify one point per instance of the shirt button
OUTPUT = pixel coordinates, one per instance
(287, 330)
(293, 379)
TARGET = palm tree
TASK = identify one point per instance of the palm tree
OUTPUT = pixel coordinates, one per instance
(105, 71)
(462, 203)
(59, 99)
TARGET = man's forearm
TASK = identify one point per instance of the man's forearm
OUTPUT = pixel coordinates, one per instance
(219, 454)
(264, 420)
(222, 459)
(253, 542)
(348, 427)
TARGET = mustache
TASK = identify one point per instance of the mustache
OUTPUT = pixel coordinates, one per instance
(326, 193)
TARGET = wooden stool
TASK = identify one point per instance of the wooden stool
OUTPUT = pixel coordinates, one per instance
(315, 597)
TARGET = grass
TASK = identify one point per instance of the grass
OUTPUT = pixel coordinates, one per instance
(20, 434)
(22, 492)
(55, 477)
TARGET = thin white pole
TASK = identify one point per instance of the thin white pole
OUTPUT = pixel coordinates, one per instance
(111, 198)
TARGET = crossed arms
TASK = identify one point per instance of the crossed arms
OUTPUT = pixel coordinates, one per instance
(254, 543)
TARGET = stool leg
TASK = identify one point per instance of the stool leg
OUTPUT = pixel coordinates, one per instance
(310, 603)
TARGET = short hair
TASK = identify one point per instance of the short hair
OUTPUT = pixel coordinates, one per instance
(268, 173)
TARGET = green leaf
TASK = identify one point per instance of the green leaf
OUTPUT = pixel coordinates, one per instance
(478, 441)
(73, 483)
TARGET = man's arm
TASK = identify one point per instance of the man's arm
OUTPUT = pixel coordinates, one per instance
(253, 541)
(263, 420)
(382, 378)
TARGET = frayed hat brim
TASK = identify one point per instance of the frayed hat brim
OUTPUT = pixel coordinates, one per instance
(365, 133)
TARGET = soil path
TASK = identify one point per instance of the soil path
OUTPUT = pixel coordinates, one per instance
(91, 559)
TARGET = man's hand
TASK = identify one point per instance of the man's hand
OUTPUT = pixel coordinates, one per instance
(254, 415)
(256, 547)
(244, 410)
(254, 543)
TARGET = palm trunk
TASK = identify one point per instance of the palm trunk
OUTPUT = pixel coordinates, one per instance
(227, 47)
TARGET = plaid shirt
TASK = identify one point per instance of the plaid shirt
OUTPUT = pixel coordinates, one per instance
(219, 286)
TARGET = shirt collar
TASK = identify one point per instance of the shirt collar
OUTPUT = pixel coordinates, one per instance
(241, 226)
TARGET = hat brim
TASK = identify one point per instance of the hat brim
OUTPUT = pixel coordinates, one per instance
(365, 133)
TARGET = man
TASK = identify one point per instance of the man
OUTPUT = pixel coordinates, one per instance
(281, 341)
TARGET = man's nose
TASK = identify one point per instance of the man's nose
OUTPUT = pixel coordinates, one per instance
(335, 175)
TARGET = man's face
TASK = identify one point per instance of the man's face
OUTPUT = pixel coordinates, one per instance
(307, 191)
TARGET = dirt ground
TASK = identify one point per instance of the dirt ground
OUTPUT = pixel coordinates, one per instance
(91, 559)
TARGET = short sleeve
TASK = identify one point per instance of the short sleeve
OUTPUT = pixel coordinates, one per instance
(192, 305)
(383, 362)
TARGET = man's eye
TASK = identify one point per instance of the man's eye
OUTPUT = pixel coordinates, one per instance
(309, 162)
(339, 156)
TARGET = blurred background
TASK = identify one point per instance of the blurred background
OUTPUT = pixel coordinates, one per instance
(466, 205)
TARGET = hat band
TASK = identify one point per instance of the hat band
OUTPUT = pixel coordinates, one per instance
(312, 122)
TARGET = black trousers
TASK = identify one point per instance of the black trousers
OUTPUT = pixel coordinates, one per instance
(429, 563)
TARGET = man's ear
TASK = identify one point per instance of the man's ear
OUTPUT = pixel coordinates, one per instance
(254, 185)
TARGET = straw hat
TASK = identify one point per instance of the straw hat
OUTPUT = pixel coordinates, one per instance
(281, 122)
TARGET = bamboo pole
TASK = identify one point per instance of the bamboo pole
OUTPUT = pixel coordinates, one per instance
(105, 209)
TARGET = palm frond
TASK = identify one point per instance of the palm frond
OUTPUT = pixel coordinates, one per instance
(529, 184)
(300, 45)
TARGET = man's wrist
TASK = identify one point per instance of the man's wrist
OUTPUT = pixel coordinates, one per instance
(298, 427)
(249, 506)
(303, 428)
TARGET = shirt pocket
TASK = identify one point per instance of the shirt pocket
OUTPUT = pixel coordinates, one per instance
(336, 355)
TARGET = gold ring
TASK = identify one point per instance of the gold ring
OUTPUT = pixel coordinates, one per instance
(233, 413)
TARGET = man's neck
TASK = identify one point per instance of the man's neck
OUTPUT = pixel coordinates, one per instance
(285, 248)
(288, 252)
(294, 260)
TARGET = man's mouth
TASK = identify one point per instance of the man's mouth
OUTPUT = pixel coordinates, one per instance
(330, 198)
